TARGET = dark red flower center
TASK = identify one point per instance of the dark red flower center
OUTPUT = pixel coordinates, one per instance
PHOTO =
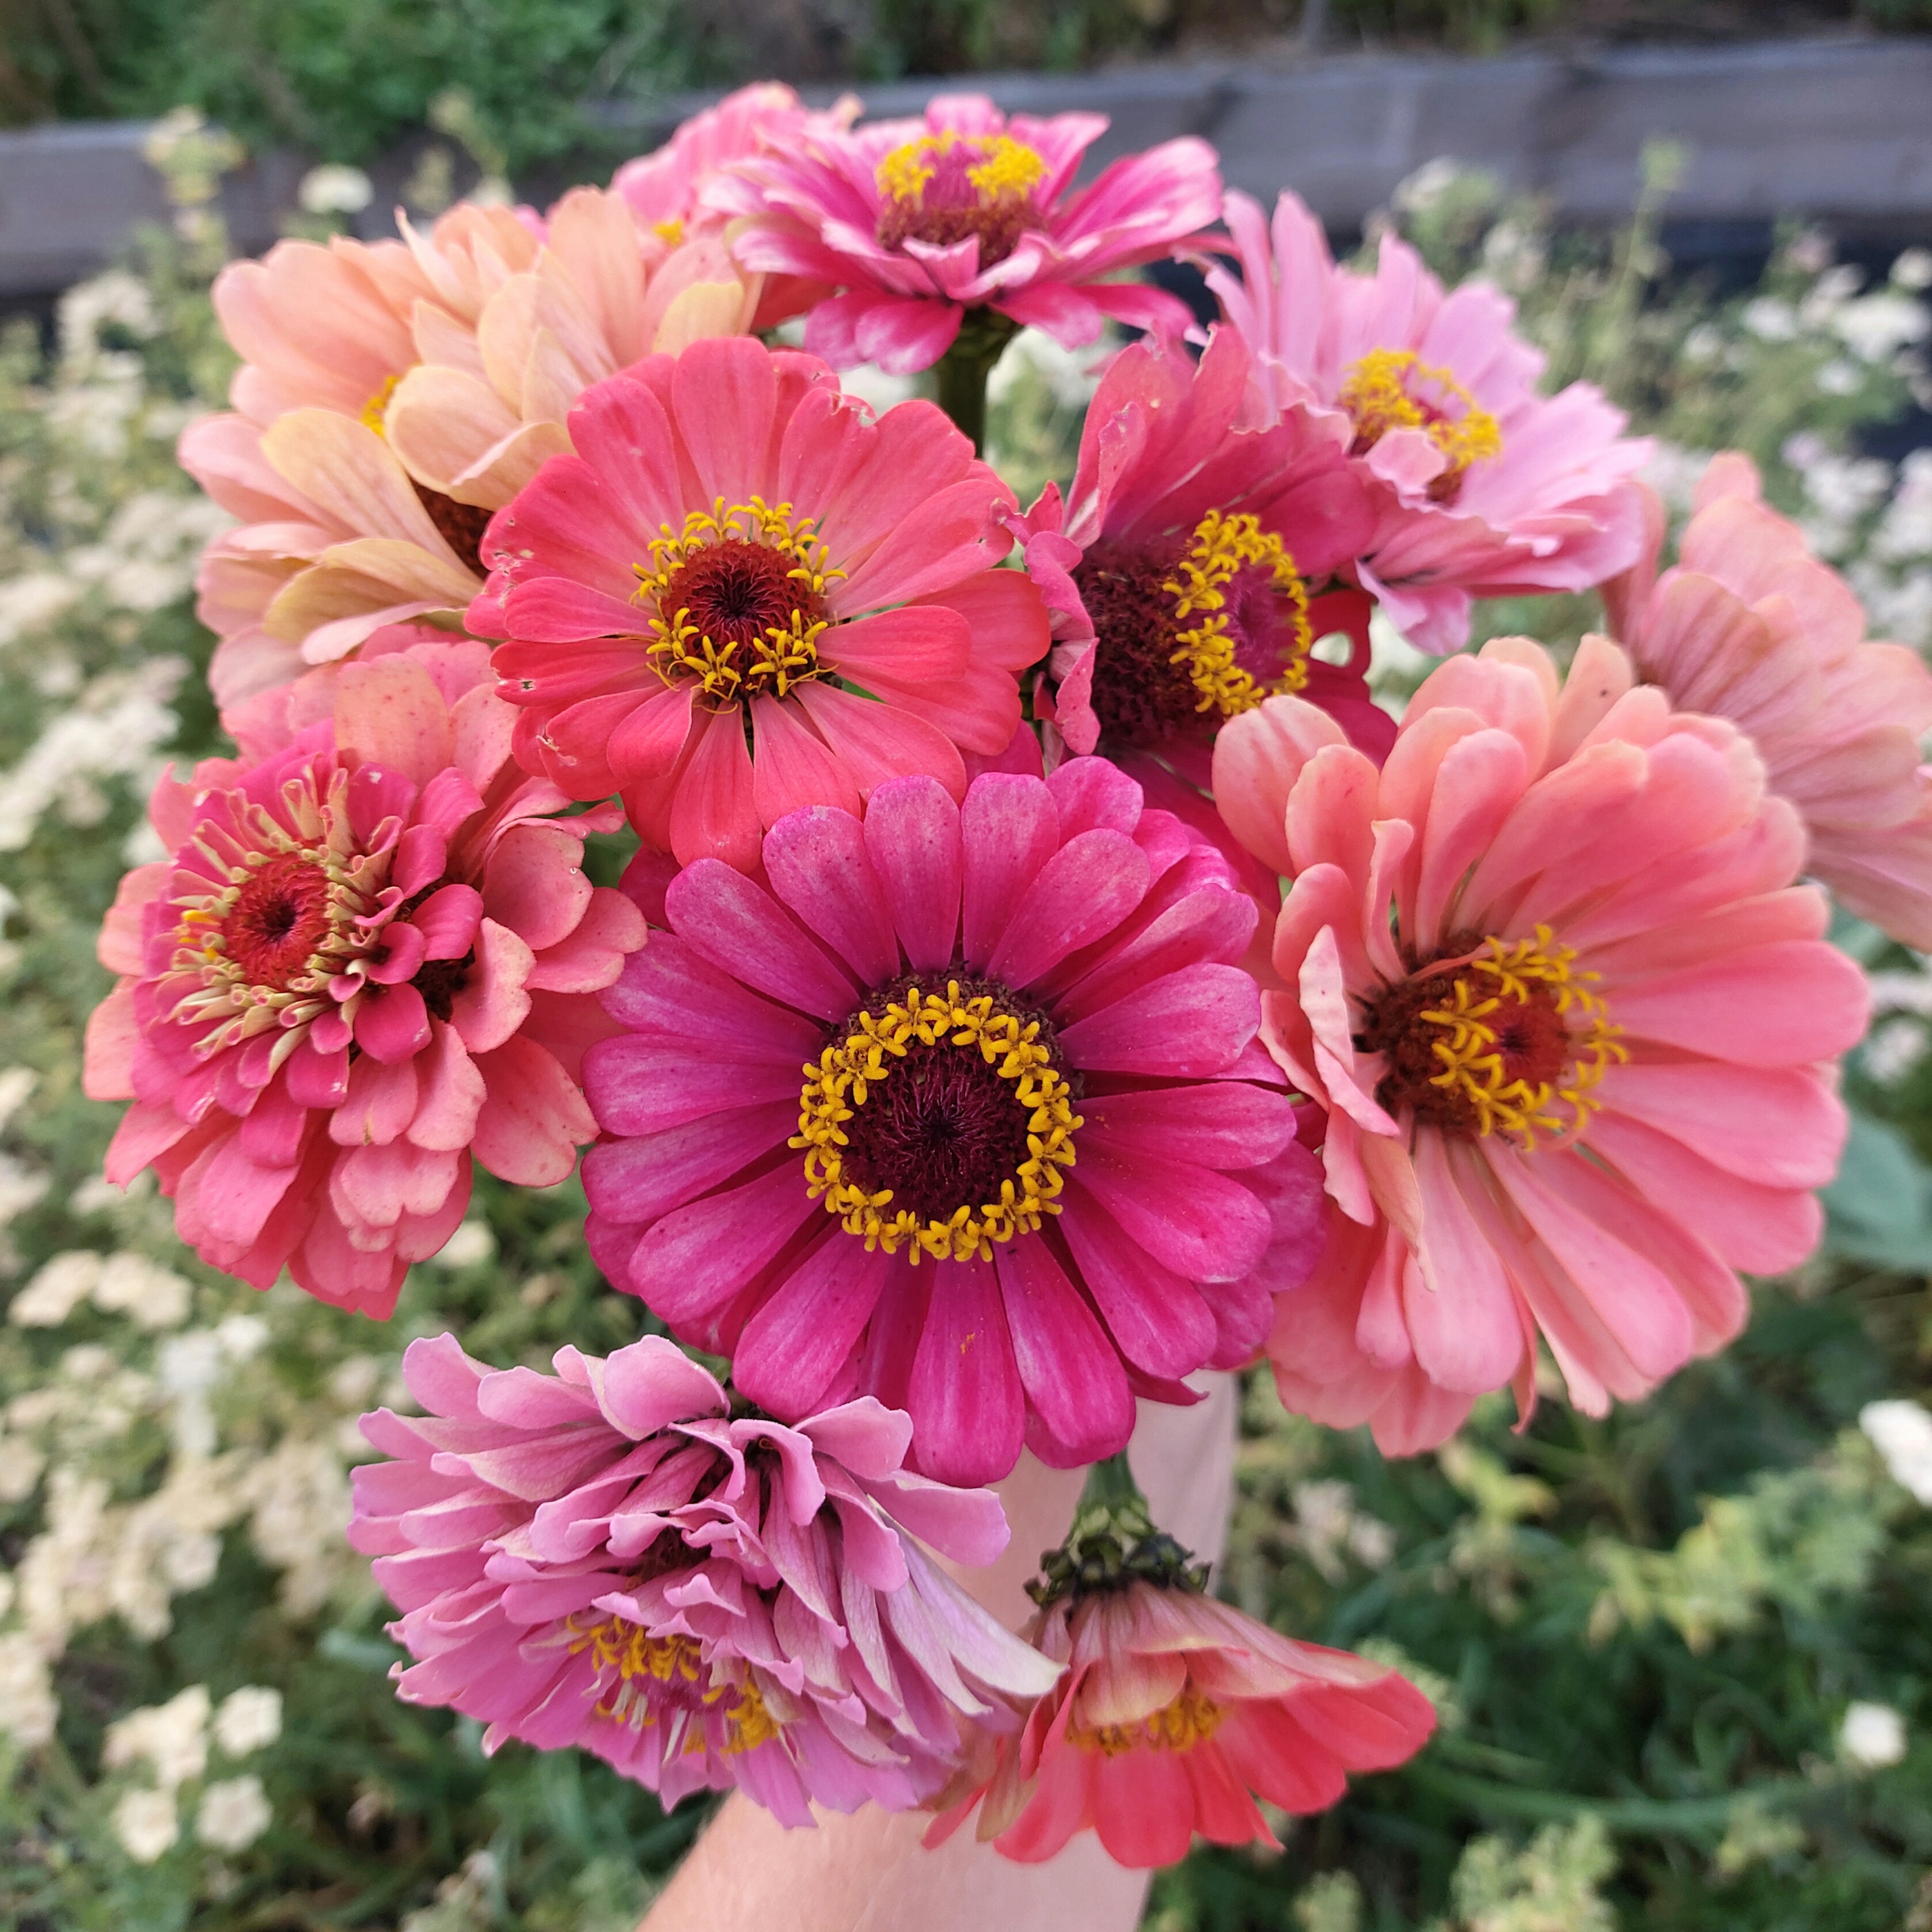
(279, 917)
(461, 526)
(736, 593)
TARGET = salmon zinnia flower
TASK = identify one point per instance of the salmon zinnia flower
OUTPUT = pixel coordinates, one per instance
(1484, 488)
(921, 221)
(613, 1557)
(1572, 1022)
(370, 959)
(1035, 1164)
(687, 600)
(1751, 626)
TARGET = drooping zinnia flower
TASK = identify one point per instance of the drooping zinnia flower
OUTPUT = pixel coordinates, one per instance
(686, 599)
(1198, 561)
(613, 1557)
(1035, 1163)
(920, 222)
(1485, 488)
(393, 394)
(1750, 626)
(1175, 1713)
(370, 959)
(1572, 1022)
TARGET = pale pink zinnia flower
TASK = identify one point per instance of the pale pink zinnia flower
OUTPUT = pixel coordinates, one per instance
(1751, 626)
(1571, 1020)
(687, 599)
(920, 221)
(1175, 1713)
(1198, 561)
(612, 1557)
(1485, 487)
(370, 958)
(1036, 1163)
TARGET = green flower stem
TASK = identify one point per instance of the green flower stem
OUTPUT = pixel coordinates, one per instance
(963, 370)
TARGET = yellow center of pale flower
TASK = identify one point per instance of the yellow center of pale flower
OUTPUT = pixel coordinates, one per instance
(1190, 1719)
(1393, 389)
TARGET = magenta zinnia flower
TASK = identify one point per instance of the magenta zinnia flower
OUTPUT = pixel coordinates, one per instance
(920, 221)
(1484, 488)
(369, 959)
(611, 1558)
(1036, 1163)
(1751, 626)
(1199, 560)
(736, 542)
(1572, 1022)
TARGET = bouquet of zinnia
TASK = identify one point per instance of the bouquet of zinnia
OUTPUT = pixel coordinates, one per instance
(1043, 975)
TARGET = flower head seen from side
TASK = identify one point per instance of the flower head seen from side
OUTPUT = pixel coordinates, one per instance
(617, 1557)
(371, 958)
(690, 600)
(1572, 1024)
(1175, 1712)
(964, 1112)
(922, 222)
(1201, 555)
(394, 394)
(1484, 488)
(1749, 626)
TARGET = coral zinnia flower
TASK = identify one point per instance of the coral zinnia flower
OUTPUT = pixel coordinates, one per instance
(1751, 626)
(1189, 580)
(737, 542)
(1486, 488)
(370, 959)
(1570, 1019)
(393, 396)
(921, 220)
(1176, 1711)
(611, 1558)
(1035, 1163)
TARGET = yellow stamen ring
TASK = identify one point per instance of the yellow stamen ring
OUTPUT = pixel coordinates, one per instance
(1008, 169)
(1223, 546)
(617, 1644)
(1190, 1719)
(1378, 393)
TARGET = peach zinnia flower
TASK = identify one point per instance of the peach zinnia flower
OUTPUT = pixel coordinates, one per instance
(1572, 1022)
(1486, 488)
(1751, 626)
(688, 600)
(921, 221)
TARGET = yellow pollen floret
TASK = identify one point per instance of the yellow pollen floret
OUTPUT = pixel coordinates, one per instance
(1223, 546)
(617, 1644)
(671, 232)
(376, 411)
(1379, 393)
(1516, 973)
(844, 1075)
(1190, 1719)
(1007, 170)
(785, 655)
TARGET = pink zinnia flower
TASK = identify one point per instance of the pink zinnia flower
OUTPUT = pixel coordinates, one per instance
(735, 543)
(920, 221)
(611, 1558)
(1485, 487)
(1198, 562)
(1175, 1713)
(1751, 626)
(371, 958)
(1572, 1022)
(1036, 1163)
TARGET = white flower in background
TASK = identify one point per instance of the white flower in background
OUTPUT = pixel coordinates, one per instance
(1839, 378)
(88, 307)
(1418, 193)
(1829, 293)
(333, 189)
(17, 1086)
(58, 1287)
(1893, 1048)
(29, 603)
(1901, 1432)
(235, 1812)
(28, 1706)
(21, 1465)
(1913, 269)
(1905, 529)
(242, 1336)
(1674, 473)
(145, 1823)
(189, 1366)
(170, 1737)
(471, 1244)
(299, 1493)
(1770, 319)
(249, 1720)
(1071, 375)
(1872, 1736)
(1876, 327)
(153, 1296)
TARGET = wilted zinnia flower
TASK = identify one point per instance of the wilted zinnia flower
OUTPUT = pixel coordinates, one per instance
(737, 540)
(1035, 1163)
(1484, 488)
(370, 958)
(612, 1557)
(1751, 626)
(1571, 1020)
(1175, 1713)
(921, 221)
